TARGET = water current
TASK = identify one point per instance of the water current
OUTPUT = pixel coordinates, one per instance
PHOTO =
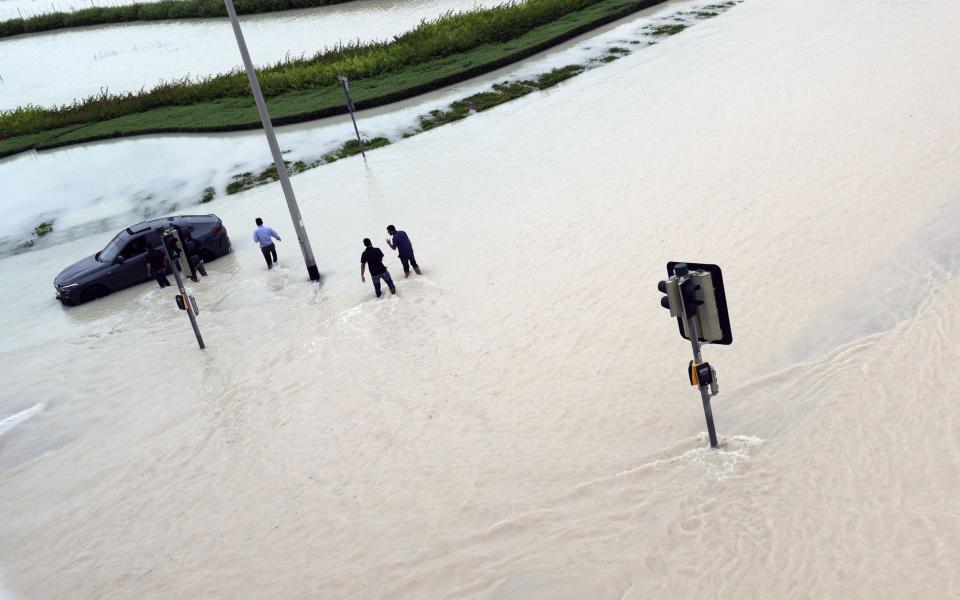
(516, 423)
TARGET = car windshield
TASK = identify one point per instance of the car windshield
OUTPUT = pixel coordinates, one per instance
(113, 248)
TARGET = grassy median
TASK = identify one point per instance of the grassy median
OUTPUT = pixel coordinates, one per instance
(435, 54)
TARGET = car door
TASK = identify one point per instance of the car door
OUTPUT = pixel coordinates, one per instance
(129, 268)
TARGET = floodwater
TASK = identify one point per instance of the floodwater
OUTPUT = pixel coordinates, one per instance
(516, 423)
(57, 67)
(151, 175)
(18, 9)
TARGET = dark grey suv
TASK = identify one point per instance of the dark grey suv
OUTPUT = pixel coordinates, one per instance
(121, 263)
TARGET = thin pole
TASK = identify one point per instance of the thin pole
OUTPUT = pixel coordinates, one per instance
(704, 391)
(346, 92)
(187, 303)
(295, 215)
(692, 326)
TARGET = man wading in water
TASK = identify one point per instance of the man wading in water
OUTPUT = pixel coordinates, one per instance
(401, 243)
(374, 257)
(264, 236)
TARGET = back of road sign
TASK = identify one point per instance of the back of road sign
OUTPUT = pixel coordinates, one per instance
(712, 310)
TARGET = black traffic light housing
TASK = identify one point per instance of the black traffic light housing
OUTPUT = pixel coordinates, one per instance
(689, 291)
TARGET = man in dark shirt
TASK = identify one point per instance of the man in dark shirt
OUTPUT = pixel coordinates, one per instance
(401, 243)
(157, 266)
(374, 257)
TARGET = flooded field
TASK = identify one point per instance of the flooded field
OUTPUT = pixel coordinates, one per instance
(100, 187)
(21, 9)
(57, 67)
(517, 423)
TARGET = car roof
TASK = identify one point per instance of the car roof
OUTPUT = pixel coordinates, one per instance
(158, 223)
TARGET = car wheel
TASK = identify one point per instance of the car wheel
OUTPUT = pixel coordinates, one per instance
(207, 255)
(93, 292)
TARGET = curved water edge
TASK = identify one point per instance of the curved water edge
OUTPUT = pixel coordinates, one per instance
(165, 174)
(132, 56)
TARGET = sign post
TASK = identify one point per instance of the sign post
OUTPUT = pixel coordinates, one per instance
(694, 294)
(174, 247)
(345, 83)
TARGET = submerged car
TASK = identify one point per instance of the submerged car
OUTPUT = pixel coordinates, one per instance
(122, 263)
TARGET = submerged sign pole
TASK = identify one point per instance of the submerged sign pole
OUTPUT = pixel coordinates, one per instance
(694, 294)
(346, 92)
(274, 147)
(174, 253)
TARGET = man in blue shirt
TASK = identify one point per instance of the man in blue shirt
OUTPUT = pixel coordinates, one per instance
(264, 236)
(401, 243)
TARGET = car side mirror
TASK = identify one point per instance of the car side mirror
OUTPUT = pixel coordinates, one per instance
(118, 260)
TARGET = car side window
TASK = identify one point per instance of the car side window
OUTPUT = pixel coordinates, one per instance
(154, 239)
(134, 248)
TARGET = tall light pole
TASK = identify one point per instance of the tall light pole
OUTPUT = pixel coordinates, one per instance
(274, 147)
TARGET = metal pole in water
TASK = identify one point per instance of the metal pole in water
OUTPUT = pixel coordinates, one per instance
(188, 305)
(691, 325)
(298, 226)
(346, 92)
(704, 391)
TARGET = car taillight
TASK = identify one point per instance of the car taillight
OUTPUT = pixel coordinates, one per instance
(217, 228)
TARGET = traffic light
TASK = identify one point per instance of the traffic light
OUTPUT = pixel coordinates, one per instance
(671, 301)
(175, 249)
(682, 297)
(696, 290)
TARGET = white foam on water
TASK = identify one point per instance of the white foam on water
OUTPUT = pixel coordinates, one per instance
(12, 421)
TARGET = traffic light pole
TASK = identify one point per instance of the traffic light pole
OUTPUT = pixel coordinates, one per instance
(186, 301)
(312, 270)
(694, 330)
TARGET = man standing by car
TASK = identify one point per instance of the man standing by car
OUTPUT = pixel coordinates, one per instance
(157, 266)
(374, 257)
(262, 235)
(401, 243)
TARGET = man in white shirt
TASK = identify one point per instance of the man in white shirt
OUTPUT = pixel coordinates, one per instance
(264, 236)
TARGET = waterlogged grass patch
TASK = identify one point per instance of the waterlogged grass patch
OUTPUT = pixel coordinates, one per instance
(352, 148)
(243, 181)
(43, 229)
(557, 75)
(671, 29)
(38, 232)
(498, 94)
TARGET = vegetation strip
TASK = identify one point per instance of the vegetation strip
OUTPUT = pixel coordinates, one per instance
(498, 94)
(151, 11)
(454, 48)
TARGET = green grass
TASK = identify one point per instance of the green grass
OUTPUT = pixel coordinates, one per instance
(38, 232)
(152, 11)
(352, 147)
(671, 29)
(43, 229)
(208, 195)
(435, 54)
